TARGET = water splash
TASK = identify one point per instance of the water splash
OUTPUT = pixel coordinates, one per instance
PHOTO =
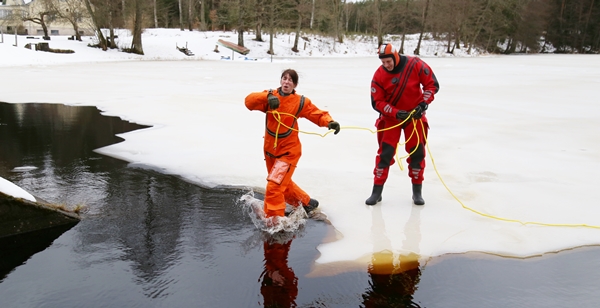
(272, 225)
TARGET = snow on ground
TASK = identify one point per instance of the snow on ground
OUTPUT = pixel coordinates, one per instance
(11, 189)
(161, 44)
(512, 137)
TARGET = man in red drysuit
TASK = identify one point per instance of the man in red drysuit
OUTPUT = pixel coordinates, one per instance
(401, 90)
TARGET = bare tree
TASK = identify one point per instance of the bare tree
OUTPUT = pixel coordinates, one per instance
(477, 26)
(190, 15)
(97, 28)
(302, 9)
(586, 23)
(214, 19)
(381, 13)
(123, 12)
(258, 23)
(155, 15)
(72, 11)
(112, 7)
(404, 25)
(40, 16)
(180, 15)
(239, 14)
(337, 18)
(271, 15)
(136, 43)
(312, 14)
(202, 18)
(423, 23)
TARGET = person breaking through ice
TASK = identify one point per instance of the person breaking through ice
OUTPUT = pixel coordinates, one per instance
(282, 148)
(396, 92)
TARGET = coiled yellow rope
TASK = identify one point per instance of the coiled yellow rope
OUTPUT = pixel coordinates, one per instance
(277, 116)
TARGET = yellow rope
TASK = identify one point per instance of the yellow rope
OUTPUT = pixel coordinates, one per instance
(492, 216)
(277, 116)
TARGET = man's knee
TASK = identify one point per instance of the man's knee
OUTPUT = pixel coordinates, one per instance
(387, 153)
(417, 156)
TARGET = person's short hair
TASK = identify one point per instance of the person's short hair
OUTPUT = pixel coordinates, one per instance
(292, 73)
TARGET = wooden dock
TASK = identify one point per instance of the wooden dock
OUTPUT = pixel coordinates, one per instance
(237, 48)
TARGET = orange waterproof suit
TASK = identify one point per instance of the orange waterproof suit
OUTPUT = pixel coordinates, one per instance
(282, 146)
(279, 286)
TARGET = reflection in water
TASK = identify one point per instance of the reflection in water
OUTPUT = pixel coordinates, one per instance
(51, 150)
(48, 150)
(13, 255)
(393, 278)
(279, 286)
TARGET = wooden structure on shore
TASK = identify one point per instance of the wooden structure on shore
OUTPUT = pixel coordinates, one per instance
(234, 47)
(19, 217)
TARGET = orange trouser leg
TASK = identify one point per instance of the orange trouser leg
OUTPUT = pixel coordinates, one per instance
(295, 196)
(275, 193)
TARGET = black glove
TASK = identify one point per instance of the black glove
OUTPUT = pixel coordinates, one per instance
(335, 126)
(401, 115)
(419, 110)
(273, 101)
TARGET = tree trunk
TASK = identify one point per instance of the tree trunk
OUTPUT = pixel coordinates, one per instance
(180, 16)
(259, 20)
(271, 52)
(202, 18)
(258, 36)
(587, 21)
(340, 21)
(98, 30)
(295, 48)
(241, 37)
(271, 20)
(404, 17)
(347, 15)
(76, 29)
(241, 27)
(190, 15)
(379, 26)
(478, 27)
(111, 41)
(45, 28)
(426, 10)
(457, 40)
(312, 14)
(155, 16)
(136, 44)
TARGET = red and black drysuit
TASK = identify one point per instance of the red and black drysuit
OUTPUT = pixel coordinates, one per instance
(410, 82)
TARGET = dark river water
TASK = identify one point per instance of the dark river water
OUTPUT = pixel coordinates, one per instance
(153, 240)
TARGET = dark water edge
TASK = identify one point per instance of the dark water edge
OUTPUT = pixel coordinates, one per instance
(153, 240)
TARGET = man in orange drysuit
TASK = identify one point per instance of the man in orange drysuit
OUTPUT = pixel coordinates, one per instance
(282, 146)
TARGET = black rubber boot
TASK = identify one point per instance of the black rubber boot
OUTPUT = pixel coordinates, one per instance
(417, 197)
(312, 205)
(375, 195)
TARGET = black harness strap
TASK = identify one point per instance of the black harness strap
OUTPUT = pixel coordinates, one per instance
(289, 132)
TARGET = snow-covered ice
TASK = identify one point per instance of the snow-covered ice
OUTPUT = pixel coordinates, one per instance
(512, 137)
